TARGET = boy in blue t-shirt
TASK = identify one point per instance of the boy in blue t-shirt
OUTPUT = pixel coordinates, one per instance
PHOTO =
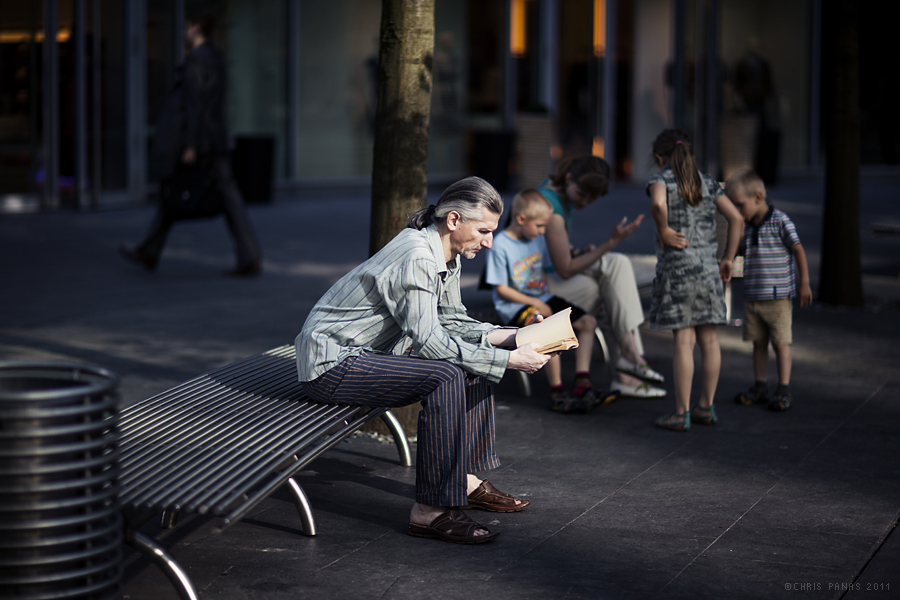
(515, 270)
(771, 247)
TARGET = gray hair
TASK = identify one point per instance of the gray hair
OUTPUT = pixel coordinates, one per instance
(467, 197)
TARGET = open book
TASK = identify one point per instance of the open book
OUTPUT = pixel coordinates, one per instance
(553, 334)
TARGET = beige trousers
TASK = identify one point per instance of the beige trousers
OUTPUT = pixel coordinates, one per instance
(608, 290)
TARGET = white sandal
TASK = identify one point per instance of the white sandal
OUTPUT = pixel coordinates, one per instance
(643, 371)
(644, 390)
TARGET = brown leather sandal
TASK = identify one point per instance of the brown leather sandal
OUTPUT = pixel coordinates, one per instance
(453, 525)
(487, 497)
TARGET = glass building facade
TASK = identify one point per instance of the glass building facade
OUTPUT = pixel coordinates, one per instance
(517, 84)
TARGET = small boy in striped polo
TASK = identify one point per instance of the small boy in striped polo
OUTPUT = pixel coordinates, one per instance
(771, 248)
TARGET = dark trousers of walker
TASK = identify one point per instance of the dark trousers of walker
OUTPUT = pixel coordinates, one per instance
(456, 424)
(246, 245)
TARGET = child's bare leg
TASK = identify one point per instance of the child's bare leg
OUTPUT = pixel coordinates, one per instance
(712, 363)
(584, 331)
(554, 371)
(683, 363)
(783, 356)
(761, 358)
(628, 349)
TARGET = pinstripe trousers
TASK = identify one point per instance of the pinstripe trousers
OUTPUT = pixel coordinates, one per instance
(456, 425)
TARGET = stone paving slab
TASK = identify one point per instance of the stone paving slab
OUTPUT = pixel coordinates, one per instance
(763, 505)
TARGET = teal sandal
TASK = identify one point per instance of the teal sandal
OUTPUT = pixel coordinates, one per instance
(704, 416)
(675, 421)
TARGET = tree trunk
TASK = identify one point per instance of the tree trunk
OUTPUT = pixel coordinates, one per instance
(840, 276)
(400, 161)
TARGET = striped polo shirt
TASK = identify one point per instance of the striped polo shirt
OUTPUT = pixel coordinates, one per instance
(768, 260)
(403, 298)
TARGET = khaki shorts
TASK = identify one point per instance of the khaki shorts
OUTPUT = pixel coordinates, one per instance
(768, 319)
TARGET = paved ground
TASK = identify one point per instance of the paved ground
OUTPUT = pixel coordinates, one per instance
(794, 505)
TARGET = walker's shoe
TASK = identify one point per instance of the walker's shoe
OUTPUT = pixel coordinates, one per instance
(642, 371)
(704, 416)
(780, 402)
(644, 390)
(675, 421)
(139, 258)
(247, 270)
(753, 395)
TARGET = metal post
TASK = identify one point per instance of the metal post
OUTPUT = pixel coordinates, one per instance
(549, 56)
(178, 32)
(50, 138)
(711, 115)
(608, 108)
(815, 85)
(80, 141)
(510, 79)
(292, 147)
(136, 98)
(678, 75)
(96, 106)
(699, 91)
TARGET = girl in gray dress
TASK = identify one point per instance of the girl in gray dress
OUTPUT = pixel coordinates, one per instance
(688, 296)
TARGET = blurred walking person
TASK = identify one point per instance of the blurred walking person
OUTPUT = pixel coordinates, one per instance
(202, 142)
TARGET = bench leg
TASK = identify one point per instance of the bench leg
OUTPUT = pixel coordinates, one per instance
(524, 383)
(303, 507)
(169, 519)
(399, 437)
(603, 346)
(164, 561)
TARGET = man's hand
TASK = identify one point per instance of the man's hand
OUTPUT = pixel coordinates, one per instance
(525, 359)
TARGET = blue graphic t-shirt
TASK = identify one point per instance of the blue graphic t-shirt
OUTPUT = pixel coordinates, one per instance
(520, 265)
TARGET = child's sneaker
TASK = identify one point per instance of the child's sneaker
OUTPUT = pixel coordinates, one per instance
(592, 399)
(780, 401)
(754, 395)
(565, 402)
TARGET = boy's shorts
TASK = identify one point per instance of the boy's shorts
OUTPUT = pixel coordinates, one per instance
(768, 318)
(528, 314)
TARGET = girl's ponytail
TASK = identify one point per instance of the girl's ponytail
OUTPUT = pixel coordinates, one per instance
(674, 145)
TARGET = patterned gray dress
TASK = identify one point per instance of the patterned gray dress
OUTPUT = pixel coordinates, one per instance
(687, 289)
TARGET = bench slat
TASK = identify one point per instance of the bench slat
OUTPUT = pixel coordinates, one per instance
(201, 445)
(208, 454)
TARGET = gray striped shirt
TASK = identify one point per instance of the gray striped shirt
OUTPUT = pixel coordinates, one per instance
(403, 298)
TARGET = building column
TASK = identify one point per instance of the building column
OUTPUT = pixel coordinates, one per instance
(136, 98)
(51, 130)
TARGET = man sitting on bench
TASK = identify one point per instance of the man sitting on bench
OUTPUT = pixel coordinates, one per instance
(394, 331)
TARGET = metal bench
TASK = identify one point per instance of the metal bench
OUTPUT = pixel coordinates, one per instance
(221, 443)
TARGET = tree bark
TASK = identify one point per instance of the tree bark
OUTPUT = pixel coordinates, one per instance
(400, 156)
(400, 161)
(840, 276)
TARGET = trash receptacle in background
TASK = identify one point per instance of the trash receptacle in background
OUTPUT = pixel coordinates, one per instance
(252, 163)
(490, 154)
(60, 526)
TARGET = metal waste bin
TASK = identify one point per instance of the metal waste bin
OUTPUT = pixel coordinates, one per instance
(252, 164)
(60, 526)
(490, 155)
